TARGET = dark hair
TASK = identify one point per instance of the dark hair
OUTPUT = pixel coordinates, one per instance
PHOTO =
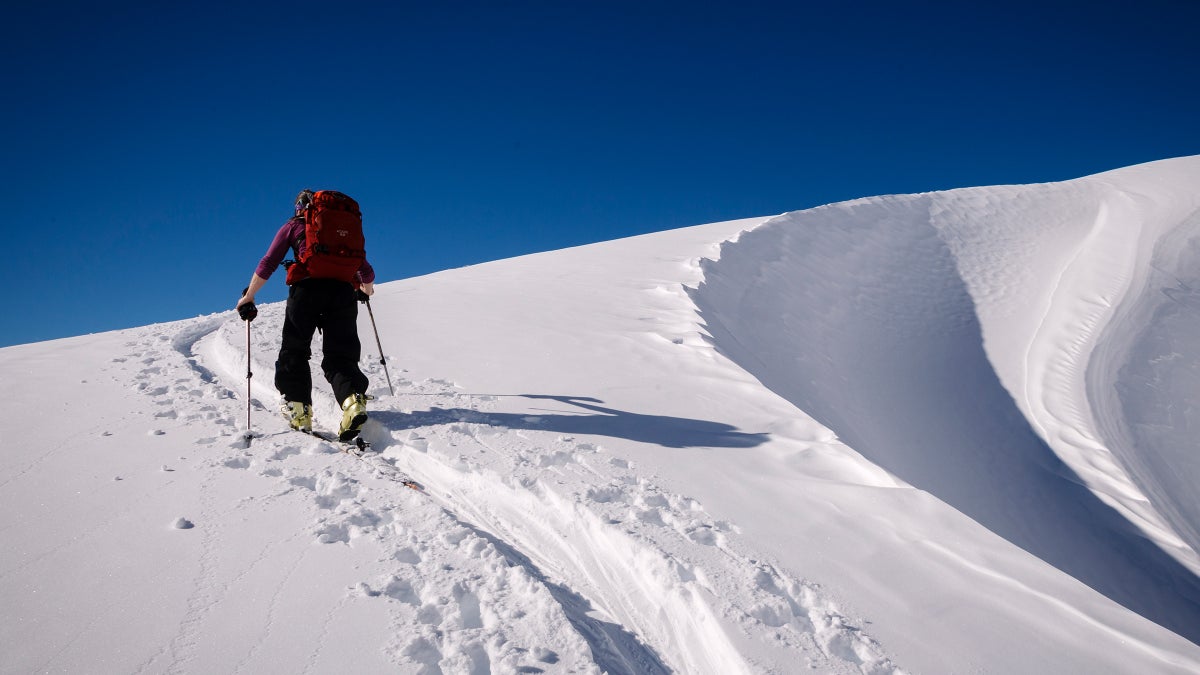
(303, 199)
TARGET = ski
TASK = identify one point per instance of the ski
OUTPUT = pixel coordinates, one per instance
(354, 446)
(357, 448)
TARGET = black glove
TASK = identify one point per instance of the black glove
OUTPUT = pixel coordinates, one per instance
(247, 311)
(360, 296)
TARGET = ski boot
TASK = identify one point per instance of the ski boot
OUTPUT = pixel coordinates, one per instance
(354, 415)
(299, 415)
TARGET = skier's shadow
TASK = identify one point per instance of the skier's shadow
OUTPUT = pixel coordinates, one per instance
(667, 431)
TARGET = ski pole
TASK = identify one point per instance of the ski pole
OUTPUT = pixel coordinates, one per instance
(248, 312)
(249, 374)
(367, 301)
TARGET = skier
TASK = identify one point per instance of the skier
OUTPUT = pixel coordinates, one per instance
(316, 300)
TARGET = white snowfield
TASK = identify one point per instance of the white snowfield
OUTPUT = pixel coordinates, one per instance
(940, 433)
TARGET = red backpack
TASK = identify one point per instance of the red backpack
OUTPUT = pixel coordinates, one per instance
(333, 246)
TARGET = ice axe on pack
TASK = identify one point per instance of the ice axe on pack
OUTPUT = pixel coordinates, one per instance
(366, 300)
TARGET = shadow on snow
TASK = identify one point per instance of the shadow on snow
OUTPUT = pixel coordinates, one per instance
(593, 419)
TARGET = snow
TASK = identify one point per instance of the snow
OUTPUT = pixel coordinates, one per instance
(945, 432)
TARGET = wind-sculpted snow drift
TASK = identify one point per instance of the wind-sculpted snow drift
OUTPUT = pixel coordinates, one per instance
(934, 433)
(947, 337)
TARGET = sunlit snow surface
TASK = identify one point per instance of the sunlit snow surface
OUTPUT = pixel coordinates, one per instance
(947, 432)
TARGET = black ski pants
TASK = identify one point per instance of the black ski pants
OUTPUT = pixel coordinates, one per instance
(330, 305)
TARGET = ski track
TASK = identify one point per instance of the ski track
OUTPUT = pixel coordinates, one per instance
(530, 551)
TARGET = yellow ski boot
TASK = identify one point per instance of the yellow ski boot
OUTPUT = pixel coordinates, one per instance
(354, 415)
(299, 415)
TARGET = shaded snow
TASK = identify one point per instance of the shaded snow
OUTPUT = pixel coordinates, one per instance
(896, 364)
(922, 433)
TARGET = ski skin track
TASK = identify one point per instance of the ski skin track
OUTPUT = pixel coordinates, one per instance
(357, 448)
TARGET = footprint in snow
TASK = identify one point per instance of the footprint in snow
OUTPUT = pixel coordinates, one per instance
(285, 452)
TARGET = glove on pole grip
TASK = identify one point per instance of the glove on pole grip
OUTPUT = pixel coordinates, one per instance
(248, 311)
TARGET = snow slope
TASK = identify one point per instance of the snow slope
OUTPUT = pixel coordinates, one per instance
(944, 432)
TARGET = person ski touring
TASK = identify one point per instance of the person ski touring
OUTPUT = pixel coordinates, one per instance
(329, 270)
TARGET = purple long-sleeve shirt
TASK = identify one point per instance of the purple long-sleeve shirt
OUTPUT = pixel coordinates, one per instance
(285, 240)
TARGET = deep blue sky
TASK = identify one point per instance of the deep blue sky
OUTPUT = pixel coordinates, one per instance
(152, 149)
